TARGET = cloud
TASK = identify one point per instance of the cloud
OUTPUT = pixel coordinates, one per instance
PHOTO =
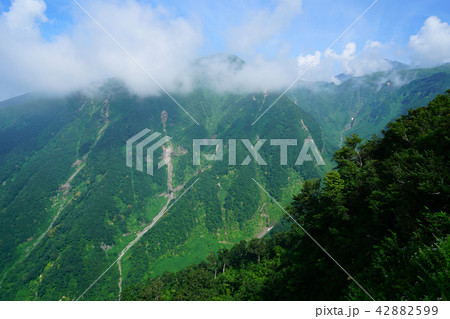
(262, 26)
(396, 79)
(324, 68)
(309, 61)
(316, 67)
(165, 45)
(25, 14)
(28, 61)
(225, 73)
(368, 61)
(168, 46)
(431, 45)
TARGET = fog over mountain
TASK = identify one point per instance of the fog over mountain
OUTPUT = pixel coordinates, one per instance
(169, 45)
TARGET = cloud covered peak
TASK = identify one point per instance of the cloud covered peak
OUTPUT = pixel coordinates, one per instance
(147, 43)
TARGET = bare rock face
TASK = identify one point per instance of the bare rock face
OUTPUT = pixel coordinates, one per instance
(164, 117)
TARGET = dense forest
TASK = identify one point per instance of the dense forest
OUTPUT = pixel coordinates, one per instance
(70, 205)
(382, 213)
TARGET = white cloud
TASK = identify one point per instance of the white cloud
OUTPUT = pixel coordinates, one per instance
(431, 46)
(308, 61)
(325, 67)
(168, 46)
(369, 60)
(164, 44)
(262, 25)
(253, 76)
(25, 14)
(314, 67)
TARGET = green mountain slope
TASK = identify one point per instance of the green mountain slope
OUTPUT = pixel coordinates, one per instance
(382, 215)
(70, 205)
(364, 105)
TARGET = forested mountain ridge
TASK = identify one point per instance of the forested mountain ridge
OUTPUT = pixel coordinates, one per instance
(70, 205)
(382, 214)
(364, 105)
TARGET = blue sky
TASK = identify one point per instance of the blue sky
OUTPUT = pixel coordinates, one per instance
(315, 28)
(275, 38)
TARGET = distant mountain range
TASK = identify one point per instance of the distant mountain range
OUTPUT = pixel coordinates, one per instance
(364, 105)
(395, 66)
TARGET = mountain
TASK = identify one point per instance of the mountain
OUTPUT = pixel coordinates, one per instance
(70, 206)
(382, 214)
(364, 105)
(395, 66)
(77, 222)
